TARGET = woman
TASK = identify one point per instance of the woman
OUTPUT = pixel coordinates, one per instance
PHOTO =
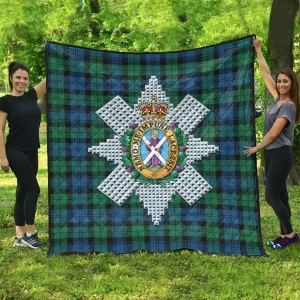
(276, 144)
(20, 153)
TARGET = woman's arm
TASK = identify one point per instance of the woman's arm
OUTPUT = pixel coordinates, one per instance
(41, 89)
(3, 158)
(277, 127)
(264, 69)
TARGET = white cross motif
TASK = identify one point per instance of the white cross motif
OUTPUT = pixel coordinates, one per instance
(153, 151)
(120, 184)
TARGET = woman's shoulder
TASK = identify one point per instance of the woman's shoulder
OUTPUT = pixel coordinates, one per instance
(288, 104)
(5, 103)
(31, 93)
(287, 107)
(5, 98)
(291, 102)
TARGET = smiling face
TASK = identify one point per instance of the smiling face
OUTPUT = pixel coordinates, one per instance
(19, 80)
(284, 84)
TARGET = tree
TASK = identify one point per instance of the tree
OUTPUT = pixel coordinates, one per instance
(281, 33)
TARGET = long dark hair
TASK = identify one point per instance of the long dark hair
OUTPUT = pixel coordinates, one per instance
(13, 67)
(294, 91)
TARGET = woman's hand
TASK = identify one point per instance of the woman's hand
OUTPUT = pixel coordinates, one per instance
(5, 165)
(256, 43)
(250, 150)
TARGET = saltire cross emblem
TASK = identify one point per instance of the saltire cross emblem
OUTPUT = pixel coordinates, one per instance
(154, 150)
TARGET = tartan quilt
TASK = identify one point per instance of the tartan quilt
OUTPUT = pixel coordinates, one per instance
(145, 150)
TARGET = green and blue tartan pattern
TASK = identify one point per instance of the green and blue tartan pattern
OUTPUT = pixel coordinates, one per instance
(82, 219)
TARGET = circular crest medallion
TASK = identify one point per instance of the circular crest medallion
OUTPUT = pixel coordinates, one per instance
(154, 149)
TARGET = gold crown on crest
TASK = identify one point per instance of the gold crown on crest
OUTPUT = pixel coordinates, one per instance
(155, 110)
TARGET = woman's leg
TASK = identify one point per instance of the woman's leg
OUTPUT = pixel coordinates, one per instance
(25, 172)
(33, 157)
(284, 198)
(267, 163)
(19, 211)
(281, 162)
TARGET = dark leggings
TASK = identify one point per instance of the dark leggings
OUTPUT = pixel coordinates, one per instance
(24, 164)
(278, 163)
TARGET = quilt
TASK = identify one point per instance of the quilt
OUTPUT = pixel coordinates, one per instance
(145, 150)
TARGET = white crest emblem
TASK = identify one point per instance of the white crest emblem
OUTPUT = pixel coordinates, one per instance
(153, 150)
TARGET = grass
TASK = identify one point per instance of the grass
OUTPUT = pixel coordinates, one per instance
(28, 274)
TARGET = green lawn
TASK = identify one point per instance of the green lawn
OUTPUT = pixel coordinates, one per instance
(30, 274)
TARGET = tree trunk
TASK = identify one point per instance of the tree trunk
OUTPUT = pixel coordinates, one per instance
(93, 24)
(281, 33)
(280, 49)
(95, 7)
